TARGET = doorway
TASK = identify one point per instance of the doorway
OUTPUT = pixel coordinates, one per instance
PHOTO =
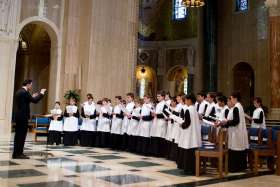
(243, 81)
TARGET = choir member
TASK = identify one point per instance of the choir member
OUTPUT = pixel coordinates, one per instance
(190, 138)
(167, 99)
(201, 104)
(170, 125)
(104, 122)
(56, 125)
(237, 135)
(88, 127)
(145, 124)
(158, 129)
(258, 119)
(71, 123)
(133, 126)
(178, 113)
(222, 109)
(210, 113)
(116, 138)
(127, 116)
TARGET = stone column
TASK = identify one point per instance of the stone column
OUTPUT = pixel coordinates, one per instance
(199, 55)
(210, 46)
(274, 56)
(9, 14)
(113, 48)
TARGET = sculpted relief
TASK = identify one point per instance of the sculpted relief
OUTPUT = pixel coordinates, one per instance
(7, 16)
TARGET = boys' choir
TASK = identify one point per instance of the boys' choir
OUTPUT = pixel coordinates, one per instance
(170, 128)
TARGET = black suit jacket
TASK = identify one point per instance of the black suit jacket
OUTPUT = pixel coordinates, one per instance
(23, 99)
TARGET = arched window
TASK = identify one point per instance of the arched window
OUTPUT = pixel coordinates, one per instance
(179, 10)
(186, 86)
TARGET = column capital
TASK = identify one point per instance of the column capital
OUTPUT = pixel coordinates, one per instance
(274, 7)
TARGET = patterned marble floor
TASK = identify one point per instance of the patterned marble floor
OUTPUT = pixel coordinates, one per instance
(81, 166)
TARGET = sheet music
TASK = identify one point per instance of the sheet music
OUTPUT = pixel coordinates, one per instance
(71, 109)
(177, 119)
(208, 122)
(56, 112)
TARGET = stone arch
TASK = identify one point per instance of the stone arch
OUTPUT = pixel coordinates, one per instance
(244, 81)
(55, 53)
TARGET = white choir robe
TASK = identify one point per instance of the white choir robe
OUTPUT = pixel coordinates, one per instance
(128, 110)
(116, 122)
(71, 124)
(89, 124)
(191, 136)
(134, 124)
(103, 123)
(176, 126)
(169, 124)
(145, 126)
(202, 107)
(168, 102)
(256, 115)
(237, 135)
(210, 107)
(56, 125)
(159, 126)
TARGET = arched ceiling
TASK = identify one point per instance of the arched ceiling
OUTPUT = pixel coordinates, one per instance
(36, 37)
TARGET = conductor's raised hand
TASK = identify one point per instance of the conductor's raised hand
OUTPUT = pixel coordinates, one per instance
(43, 91)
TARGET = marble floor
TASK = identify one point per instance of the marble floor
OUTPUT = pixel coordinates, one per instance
(52, 166)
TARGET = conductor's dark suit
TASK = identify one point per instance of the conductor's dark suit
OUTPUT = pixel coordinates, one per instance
(23, 99)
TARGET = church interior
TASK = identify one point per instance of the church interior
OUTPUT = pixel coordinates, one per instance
(109, 48)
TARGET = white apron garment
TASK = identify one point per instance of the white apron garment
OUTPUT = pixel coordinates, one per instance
(133, 125)
(237, 135)
(202, 106)
(176, 126)
(116, 122)
(159, 126)
(128, 110)
(88, 124)
(71, 124)
(191, 136)
(168, 102)
(103, 123)
(145, 126)
(221, 113)
(169, 124)
(169, 130)
(256, 115)
(54, 124)
(210, 107)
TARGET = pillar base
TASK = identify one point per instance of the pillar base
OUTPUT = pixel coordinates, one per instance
(274, 114)
(5, 131)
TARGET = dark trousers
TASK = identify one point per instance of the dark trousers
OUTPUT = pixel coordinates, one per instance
(20, 136)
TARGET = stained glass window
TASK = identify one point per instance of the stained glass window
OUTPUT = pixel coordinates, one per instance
(179, 10)
(241, 5)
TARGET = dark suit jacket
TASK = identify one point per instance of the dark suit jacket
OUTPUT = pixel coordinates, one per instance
(23, 99)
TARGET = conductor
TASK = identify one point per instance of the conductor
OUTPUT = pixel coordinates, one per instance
(23, 99)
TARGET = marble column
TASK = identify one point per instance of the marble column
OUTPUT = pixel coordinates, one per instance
(210, 46)
(113, 48)
(9, 14)
(274, 56)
